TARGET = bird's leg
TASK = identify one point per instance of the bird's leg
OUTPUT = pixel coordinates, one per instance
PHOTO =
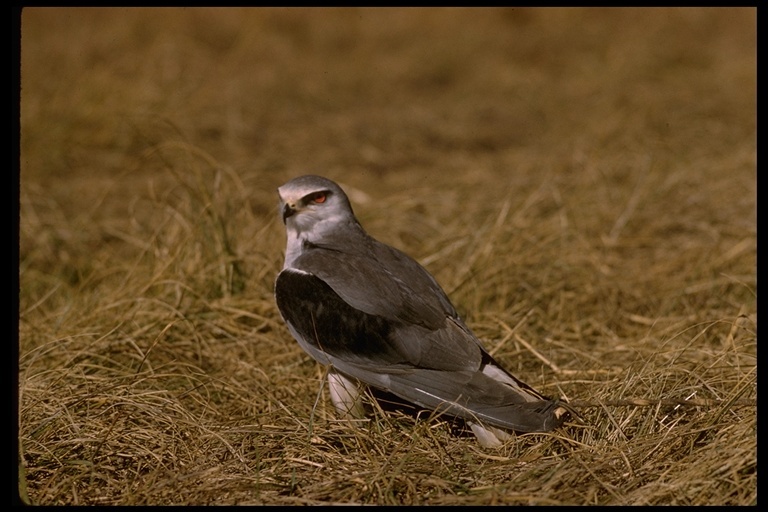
(487, 436)
(346, 395)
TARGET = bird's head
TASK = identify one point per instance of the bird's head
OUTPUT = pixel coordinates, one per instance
(313, 204)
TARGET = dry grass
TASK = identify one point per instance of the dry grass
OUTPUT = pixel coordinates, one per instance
(581, 182)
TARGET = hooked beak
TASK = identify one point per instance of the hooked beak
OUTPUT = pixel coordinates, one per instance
(288, 211)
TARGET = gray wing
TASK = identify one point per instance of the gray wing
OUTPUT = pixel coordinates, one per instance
(437, 365)
(380, 280)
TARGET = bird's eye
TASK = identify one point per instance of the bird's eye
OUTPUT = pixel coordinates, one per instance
(318, 197)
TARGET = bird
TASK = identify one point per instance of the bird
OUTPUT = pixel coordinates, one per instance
(378, 319)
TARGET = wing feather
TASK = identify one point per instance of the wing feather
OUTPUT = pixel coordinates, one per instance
(439, 367)
(380, 280)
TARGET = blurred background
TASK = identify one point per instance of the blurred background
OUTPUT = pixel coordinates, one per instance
(376, 95)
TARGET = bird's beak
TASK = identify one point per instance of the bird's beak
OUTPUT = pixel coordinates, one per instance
(288, 210)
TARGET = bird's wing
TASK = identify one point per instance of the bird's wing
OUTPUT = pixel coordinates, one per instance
(470, 395)
(378, 279)
(438, 367)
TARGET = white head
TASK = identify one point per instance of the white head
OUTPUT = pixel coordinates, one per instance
(312, 207)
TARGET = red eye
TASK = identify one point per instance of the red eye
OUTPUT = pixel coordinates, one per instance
(319, 198)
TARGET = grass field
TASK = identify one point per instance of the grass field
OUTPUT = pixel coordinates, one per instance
(582, 182)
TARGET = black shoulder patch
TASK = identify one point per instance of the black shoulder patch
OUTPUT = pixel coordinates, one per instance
(326, 321)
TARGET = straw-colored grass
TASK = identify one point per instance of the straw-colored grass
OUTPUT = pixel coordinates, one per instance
(581, 182)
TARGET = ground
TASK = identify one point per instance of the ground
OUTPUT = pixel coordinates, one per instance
(582, 182)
